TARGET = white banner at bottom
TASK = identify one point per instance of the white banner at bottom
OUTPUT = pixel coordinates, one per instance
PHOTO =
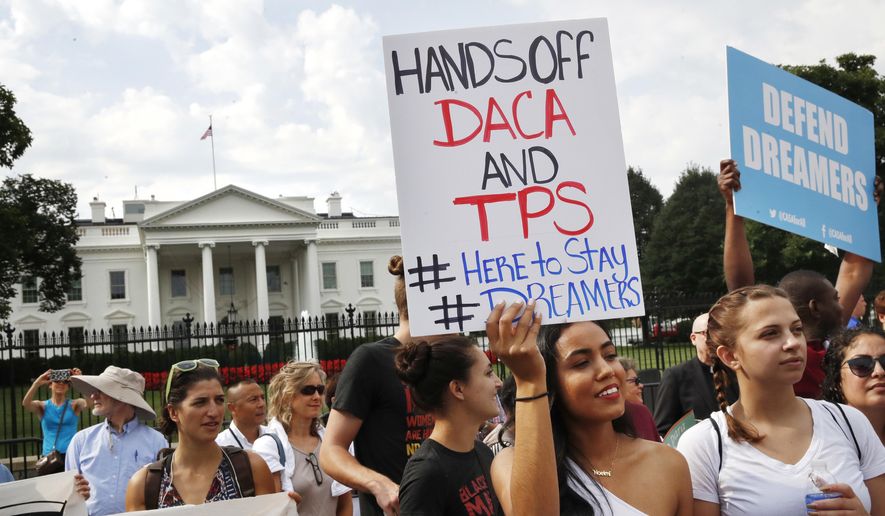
(277, 504)
(52, 494)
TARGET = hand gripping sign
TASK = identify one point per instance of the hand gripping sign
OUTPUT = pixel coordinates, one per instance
(510, 174)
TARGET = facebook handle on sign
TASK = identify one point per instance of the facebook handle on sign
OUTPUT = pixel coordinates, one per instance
(807, 156)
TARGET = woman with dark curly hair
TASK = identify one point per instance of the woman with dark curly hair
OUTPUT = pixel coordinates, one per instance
(198, 470)
(575, 450)
(855, 373)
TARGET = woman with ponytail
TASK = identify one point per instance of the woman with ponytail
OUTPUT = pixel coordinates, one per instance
(452, 379)
(755, 456)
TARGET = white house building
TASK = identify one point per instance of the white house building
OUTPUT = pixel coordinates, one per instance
(228, 252)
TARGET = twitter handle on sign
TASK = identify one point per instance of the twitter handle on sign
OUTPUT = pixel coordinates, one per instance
(789, 218)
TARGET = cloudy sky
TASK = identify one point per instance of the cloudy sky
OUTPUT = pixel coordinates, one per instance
(118, 92)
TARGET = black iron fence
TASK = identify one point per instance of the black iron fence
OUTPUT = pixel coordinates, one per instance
(258, 349)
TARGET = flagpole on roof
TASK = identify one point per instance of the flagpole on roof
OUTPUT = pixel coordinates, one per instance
(209, 133)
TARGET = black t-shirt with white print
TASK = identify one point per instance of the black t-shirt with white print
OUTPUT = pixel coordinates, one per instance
(392, 426)
(440, 481)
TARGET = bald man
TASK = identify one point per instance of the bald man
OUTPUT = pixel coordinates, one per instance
(245, 400)
(689, 385)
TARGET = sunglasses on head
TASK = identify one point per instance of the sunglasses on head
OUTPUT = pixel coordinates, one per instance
(309, 390)
(185, 366)
(864, 365)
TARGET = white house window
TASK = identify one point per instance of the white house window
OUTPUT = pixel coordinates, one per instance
(29, 290)
(118, 284)
(226, 281)
(31, 342)
(75, 293)
(76, 337)
(330, 276)
(367, 274)
(274, 281)
(331, 320)
(120, 334)
(179, 283)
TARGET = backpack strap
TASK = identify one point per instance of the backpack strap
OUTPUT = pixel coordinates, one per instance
(847, 423)
(239, 459)
(152, 482)
(280, 449)
(718, 439)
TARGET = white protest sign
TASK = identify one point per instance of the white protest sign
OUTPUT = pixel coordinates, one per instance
(510, 174)
(277, 504)
(52, 494)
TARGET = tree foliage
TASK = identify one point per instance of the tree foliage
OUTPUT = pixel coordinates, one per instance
(646, 202)
(684, 254)
(37, 238)
(37, 233)
(15, 136)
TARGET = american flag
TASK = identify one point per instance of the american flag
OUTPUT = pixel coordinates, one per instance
(207, 134)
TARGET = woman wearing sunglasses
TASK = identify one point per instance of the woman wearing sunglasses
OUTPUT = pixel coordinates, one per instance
(756, 456)
(59, 414)
(198, 470)
(295, 402)
(855, 369)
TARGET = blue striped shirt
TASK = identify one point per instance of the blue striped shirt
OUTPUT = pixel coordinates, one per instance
(108, 459)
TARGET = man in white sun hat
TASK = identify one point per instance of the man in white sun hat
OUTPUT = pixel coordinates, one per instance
(107, 454)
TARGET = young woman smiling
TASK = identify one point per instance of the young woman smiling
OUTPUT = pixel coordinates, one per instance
(755, 456)
(578, 454)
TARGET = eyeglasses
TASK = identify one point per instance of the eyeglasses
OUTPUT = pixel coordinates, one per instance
(185, 366)
(317, 472)
(864, 365)
(309, 390)
(634, 381)
(701, 332)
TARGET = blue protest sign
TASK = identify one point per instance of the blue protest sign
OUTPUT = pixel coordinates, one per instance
(806, 155)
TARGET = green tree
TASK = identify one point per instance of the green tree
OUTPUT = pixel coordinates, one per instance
(646, 202)
(777, 252)
(15, 136)
(684, 254)
(37, 238)
(37, 233)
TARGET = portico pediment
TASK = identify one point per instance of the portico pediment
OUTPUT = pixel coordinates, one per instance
(230, 206)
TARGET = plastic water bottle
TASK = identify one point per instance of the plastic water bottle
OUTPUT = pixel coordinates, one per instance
(819, 476)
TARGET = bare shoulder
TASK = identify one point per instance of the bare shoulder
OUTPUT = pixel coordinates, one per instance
(663, 457)
(261, 476)
(503, 462)
(135, 490)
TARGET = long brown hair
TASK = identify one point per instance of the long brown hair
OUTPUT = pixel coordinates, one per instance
(722, 328)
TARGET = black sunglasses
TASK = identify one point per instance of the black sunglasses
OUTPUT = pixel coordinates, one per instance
(314, 463)
(864, 365)
(634, 381)
(309, 390)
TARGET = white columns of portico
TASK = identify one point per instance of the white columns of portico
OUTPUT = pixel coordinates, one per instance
(208, 283)
(313, 279)
(153, 284)
(261, 279)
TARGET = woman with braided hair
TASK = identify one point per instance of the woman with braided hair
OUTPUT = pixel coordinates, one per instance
(755, 456)
(855, 373)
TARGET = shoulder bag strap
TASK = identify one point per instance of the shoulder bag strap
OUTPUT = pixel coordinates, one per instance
(718, 439)
(239, 459)
(58, 428)
(229, 429)
(280, 449)
(850, 429)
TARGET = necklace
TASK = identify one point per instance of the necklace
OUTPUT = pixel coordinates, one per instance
(608, 472)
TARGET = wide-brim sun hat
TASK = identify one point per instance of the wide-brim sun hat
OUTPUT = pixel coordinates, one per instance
(119, 383)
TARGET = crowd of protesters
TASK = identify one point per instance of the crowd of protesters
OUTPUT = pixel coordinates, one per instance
(782, 411)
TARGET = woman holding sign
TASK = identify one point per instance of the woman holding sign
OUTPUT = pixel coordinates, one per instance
(769, 452)
(575, 451)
